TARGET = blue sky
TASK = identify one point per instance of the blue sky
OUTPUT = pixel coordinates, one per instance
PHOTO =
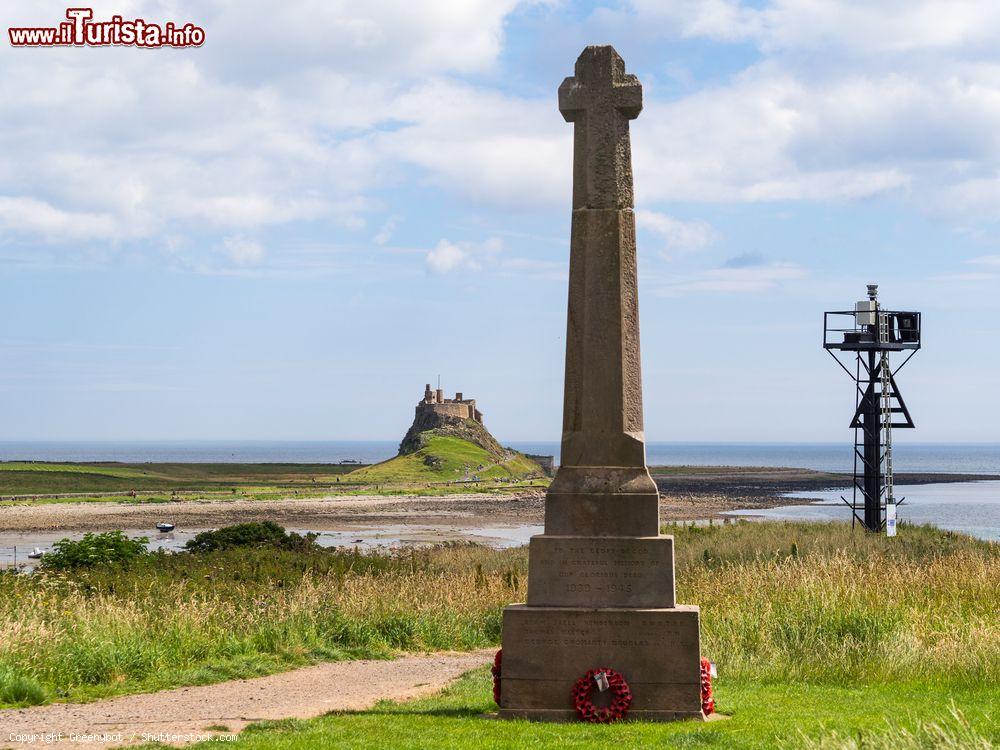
(285, 233)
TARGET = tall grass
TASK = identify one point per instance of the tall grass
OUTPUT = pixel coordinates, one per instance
(952, 733)
(837, 607)
(842, 607)
(180, 619)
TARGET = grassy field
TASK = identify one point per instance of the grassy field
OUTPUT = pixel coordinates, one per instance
(39, 478)
(783, 604)
(445, 458)
(111, 482)
(191, 619)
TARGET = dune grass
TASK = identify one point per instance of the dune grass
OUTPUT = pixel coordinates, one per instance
(809, 604)
(445, 458)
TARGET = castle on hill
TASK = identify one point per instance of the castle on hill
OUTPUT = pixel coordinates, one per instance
(434, 402)
(458, 417)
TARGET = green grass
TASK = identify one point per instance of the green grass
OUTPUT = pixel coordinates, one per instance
(445, 458)
(40, 478)
(103, 470)
(43, 483)
(763, 715)
(837, 609)
(17, 690)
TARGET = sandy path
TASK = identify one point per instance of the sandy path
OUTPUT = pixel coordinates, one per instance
(187, 713)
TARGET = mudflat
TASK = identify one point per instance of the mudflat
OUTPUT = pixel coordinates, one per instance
(686, 493)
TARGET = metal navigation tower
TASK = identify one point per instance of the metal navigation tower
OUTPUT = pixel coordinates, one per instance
(871, 334)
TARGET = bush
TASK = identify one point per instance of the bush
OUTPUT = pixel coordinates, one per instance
(254, 534)
(20, 690)
(94, 549)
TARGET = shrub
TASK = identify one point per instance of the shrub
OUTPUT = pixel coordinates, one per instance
(94, 549)
(253, 534)
(20, 690)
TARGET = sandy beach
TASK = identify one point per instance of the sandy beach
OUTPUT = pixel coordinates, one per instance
(327, 513)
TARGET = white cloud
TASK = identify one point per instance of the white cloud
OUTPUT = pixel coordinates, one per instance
(403, 39)
(277, 121)
(263, 39)
(989, 261)
(446, 256)
(677, 234)
(741, 275)
(450, 256)
(385, 233)
(722, 20)
(25, 215)
(846, 101)
(242, 251)
(749, 142)
(850, 26)
(280, 118)
(486, 146)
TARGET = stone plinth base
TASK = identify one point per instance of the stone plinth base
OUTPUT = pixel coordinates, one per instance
(547, 649)
(602, 501)
(576, 571)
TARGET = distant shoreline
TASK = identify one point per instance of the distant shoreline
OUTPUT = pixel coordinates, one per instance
(956, 458)
(687, 493)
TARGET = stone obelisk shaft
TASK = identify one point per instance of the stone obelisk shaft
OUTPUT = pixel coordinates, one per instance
(601, 578)
(603, 487)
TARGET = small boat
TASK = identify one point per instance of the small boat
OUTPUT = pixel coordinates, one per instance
(163, 526)
(36, 554)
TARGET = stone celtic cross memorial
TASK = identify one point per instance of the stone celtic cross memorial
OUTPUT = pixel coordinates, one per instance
(601, 577)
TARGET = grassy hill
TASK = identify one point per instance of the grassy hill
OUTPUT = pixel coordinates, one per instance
(445, 458)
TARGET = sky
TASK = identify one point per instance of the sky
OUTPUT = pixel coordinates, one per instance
(285, 233)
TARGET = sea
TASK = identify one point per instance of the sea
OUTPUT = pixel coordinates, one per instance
(957, 458)
(971, 507)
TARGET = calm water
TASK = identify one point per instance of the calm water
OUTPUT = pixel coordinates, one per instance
(973, 458)
(969, 507)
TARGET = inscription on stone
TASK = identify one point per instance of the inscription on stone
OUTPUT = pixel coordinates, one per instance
(620, 572)
(656, 645)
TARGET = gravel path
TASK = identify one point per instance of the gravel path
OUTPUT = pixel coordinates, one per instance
(189, 714)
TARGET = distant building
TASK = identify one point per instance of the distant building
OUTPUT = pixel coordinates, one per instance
(457, 417)
(434, 402)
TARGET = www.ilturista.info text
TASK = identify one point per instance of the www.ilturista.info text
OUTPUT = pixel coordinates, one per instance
(82, 31)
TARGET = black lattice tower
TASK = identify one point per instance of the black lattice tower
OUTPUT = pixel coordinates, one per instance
(871, 334)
